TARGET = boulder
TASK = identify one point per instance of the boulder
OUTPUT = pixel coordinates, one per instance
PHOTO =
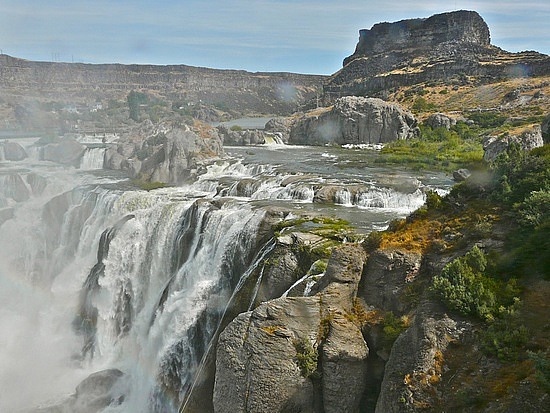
(165, 152)
(461, 175)
(440, 120)
(13, 151)
(66, 151)
(355, 120)
(526, 140)
(387, 273)
(279, 127)
(256, 357)
(95, 393)
(344, 359)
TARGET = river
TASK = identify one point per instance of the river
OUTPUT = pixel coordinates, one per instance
(96, 274)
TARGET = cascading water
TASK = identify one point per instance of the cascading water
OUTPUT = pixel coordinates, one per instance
(96, 275)
(92, 158)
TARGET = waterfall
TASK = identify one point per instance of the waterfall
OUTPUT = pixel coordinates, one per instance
(45, 245)
(92, 158)
(273, 139)
(390, 199)
(164, 277)
(100, 276)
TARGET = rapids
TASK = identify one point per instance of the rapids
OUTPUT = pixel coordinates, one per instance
(97, 274)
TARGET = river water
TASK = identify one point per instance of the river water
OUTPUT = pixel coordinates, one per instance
(96, 274)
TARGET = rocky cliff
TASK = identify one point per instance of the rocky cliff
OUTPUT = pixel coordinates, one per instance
(449, 47)
(167, 152)
(354, 120)
(40, 87)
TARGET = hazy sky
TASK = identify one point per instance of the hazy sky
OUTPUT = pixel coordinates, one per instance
(261, 35)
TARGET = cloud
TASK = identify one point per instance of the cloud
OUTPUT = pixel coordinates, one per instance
(245, 32)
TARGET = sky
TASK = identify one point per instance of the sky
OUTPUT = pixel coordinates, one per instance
(262, 35)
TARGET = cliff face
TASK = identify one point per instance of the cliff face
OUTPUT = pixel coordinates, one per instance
(78, 83)
(355, 120)
(447, 48)
(460, 26)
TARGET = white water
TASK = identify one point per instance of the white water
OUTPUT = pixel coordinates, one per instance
(92, 158)
(171, 268)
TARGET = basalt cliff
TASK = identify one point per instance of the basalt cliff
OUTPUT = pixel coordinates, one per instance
(50, 95)
(447, 48)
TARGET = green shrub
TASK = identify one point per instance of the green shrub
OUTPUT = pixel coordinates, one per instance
(373, 241)
(422, 105)
(535, 209)
(463, 287)
(505, 336)
(488, 119)
(236, 128)
(433, 200)
(135, 100)
(306, 357)
(542, 366)
(393, 327)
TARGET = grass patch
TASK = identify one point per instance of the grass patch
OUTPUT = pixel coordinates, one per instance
(437, 149)
(148, 186)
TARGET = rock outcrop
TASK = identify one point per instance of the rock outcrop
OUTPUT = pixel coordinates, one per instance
(449, 47)
(440, 120)
(460, 26)
(545, 129)
(66, 151)
(526, 140)
(354, 120)
(386, 275)
(276, 131)
(301, 351)
(415, 365)
(93, 394)
(166, 152)
(12, 151)
(241, 137)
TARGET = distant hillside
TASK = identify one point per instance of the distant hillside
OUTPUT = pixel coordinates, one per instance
(447, 49)
(27, 86)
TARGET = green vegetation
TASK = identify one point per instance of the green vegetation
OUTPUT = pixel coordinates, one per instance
(306, 357)
(521, 185)
(135, 100)
(392, 327)
(437, 148)
(139, 103)
(148, 186)
(463, 286)
(542, 366)
(236, 128)
(486, 120)
(505, 336)
(421, 104)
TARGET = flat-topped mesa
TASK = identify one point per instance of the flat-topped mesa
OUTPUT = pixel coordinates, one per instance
(458, 26)
(448, 49)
